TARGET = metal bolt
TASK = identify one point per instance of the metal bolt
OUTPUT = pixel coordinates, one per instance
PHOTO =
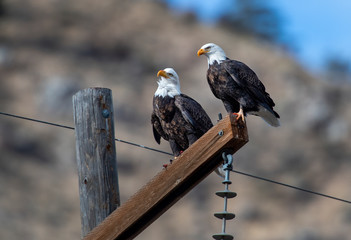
(220, 133)
(105, 113)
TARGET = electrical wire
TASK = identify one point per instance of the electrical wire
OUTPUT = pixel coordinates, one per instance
(167, 153)
(290, 186)
(72, 128)
(36, 120)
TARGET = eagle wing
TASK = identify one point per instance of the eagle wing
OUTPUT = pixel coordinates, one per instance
(157, 128)
(247, 79)
(193, 113)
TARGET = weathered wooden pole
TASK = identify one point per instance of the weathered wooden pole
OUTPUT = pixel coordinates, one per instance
(96, 156)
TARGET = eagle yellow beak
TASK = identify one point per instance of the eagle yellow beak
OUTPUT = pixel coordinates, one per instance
(162, 73)
(201, 51)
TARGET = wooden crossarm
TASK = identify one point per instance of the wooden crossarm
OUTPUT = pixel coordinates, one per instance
(172, 183)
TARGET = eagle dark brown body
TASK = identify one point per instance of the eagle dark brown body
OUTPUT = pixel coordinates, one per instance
(179, 120)
(247, 89)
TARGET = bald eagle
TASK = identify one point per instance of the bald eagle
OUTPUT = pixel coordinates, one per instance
(237, 86)
(177, 118)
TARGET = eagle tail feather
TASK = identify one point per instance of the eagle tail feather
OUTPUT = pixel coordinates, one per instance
(270, 117)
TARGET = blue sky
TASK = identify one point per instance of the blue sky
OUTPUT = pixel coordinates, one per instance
(317, 28)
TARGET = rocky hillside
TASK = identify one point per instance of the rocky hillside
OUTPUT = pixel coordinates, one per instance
(51, 49)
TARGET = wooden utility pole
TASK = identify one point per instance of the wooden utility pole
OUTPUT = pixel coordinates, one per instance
(172, 183)
(96, 156)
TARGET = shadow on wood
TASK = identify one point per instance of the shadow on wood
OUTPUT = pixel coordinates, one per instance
(172, 183)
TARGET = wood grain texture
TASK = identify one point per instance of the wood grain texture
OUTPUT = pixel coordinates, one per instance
(172, 183)
(96, 156)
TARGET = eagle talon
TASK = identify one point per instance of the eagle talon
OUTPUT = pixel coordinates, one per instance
(239, 115)
(175, 158)
(170, 163)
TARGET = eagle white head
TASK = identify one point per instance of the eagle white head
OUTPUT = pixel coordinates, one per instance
(168, 85)
(213, 53)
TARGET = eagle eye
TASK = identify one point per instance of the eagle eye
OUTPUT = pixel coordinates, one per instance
(170, 74)
(208, 48)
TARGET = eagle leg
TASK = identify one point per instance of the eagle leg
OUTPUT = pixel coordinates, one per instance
(240, 114)
(175, 148)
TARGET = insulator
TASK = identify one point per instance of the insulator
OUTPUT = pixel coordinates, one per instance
(227, 167)
(222, 236)
(226, 215)
(227, 182)
(226, 193)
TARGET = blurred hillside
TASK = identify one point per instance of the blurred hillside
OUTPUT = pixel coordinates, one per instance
(51, 49)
